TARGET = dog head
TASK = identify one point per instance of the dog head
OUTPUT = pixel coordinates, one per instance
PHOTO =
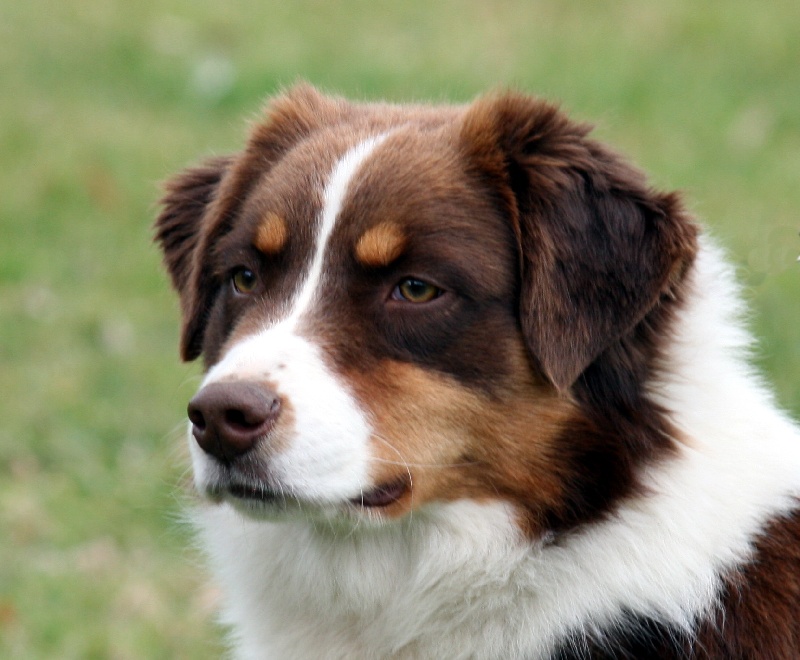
(402, 305)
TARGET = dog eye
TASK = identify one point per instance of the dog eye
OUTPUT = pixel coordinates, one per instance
(244, 280)
(416, 291)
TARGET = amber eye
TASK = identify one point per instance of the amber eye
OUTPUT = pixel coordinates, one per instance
(416, 291)
(244, 280)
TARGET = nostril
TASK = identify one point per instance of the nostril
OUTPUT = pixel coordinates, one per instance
(196, 418)
(239, 419)
(274, 407)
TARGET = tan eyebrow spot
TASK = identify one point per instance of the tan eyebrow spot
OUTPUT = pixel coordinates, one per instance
(380, 245)
(272, 234)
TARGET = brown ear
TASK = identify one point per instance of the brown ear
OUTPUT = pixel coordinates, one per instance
(598, 248)
(178, 231)
(186, 198)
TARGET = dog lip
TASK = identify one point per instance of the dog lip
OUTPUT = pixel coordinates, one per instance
(245, 492)
(383, 495)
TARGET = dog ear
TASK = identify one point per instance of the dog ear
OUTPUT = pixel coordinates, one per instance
(186, 198)
(598, 248)
(179, 228)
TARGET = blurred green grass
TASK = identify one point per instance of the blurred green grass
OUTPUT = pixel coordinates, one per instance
(102, 99)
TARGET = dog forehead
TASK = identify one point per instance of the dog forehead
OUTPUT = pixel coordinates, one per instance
(418, 198)
(410, 178)
(350, 196)
(416, 184)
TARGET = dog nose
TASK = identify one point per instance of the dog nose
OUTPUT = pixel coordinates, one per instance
(229, 418)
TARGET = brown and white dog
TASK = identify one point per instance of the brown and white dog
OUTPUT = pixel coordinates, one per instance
(474, 390)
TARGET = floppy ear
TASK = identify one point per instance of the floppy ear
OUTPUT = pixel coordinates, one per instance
(598, 248)
(178, 231)
(186, 198)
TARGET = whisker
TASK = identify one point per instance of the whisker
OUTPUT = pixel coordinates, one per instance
(426, 465)
(408, 471)
(358, 519)
(408, 464)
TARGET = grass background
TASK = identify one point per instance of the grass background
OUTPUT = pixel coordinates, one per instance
(102, 99)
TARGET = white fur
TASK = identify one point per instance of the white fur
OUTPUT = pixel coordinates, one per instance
(459, 581)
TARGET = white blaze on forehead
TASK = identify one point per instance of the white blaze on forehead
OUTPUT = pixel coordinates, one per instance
(335, 192)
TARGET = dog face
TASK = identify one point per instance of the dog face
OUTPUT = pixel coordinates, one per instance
(399, 306)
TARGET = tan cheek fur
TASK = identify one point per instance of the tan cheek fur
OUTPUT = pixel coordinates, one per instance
(380, 245)
(272, 234)
(456, 443)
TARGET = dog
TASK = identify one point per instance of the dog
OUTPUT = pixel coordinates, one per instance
(473, 389)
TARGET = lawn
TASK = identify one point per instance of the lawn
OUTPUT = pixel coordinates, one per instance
(100, 100)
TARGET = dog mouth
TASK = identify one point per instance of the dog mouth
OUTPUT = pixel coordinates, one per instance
(257, 493)
(381, 496)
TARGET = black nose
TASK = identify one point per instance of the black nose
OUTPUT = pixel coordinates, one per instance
(229, 418)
